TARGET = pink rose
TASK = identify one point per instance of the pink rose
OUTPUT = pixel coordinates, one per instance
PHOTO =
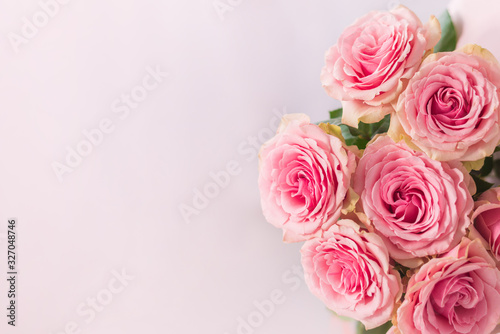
(486, 219)
(456, 293)
(418, 206)
(366, 67)
(348, 269)
(450, 109)
(304, 178)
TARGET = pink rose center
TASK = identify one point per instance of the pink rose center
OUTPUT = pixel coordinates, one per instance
(448, 107)
(298, 185)
(404, 199)
(457, 302)
(303, 182)
(405, 205)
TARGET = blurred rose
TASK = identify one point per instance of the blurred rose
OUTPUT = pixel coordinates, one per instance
(450, 109)
(486, 220)
(304, 178)
(365, 68)
(456, 293)
(348, 269)
(418, 206)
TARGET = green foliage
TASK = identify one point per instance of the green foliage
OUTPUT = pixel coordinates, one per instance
(481, 184)
(448, 41)
(363, 134)
(379, 330)
(487, 167)
(337, 113)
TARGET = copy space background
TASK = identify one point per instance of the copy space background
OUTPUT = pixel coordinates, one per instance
(119, 208)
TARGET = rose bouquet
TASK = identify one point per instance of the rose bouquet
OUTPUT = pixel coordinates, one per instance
(401, 231)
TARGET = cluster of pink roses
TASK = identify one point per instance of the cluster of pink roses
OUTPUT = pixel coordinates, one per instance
(392, 232)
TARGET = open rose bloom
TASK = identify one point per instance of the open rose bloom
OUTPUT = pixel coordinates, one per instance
(348, 269)
(367, 66)
(401, 231)
(305, 176)
(419, 206)
(450, 109)
(458, 292)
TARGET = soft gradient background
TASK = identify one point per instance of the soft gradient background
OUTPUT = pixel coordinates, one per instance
(119, 209)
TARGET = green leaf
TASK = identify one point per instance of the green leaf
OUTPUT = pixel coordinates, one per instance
(346, 133)
(379, 330)
(363, 134)
(368, 131)
(337, 113)
(448, 41)
(354, 131)
(487, 167)
(380, 127)
(359, 142)
(364, 130)
(352, 138)
(481, 184)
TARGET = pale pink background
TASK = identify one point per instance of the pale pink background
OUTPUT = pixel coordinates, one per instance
(120, 207)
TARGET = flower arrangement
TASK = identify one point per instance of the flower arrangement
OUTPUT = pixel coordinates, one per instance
(401, 232)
